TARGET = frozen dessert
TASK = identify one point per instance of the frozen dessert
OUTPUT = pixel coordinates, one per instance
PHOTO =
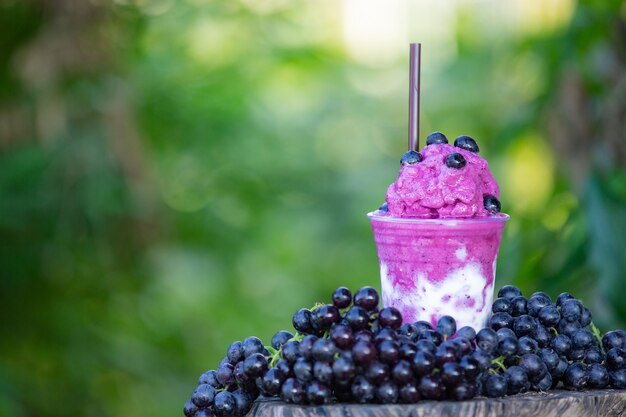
(438, 234)
(447, 182)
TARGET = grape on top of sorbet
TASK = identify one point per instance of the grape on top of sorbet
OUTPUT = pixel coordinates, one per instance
(448, 182)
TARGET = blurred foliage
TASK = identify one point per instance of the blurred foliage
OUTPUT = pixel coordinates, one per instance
(178, 175)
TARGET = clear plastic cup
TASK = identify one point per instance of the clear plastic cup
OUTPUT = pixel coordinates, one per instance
(435, 267)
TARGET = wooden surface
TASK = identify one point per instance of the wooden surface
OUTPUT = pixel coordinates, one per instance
(598, 403)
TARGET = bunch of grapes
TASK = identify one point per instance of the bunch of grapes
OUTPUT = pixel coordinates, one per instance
(350, 350)
(538, 344)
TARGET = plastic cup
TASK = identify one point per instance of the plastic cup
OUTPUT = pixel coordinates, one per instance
(435, 267)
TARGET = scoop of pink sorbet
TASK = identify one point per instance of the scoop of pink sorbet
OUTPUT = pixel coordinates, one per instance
(431, 189)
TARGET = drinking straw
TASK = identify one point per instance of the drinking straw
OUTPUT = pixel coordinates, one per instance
(414, 96)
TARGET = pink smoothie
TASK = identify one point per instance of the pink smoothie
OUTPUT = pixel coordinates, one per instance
(435, 267)
(437, 242)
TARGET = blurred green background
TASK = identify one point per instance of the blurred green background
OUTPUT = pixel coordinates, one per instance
(176, 175)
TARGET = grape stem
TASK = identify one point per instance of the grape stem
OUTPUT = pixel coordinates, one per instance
(596, 333)
(499, 362)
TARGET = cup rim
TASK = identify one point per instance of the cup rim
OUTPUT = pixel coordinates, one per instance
(379, 216)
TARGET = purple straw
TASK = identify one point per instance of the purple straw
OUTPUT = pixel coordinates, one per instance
(414, 96)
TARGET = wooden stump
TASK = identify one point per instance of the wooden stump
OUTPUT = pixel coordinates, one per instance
(598, 403)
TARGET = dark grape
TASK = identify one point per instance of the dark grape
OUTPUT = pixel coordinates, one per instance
(390, 317)
(533, 365)
(562, 297)
(559, 370)
(409, 393)
(342, 336)
(571, 310)
(326, 316)
(318, 393)
(367, 298)
(501, 320)
(293, 391)
(502, 305)
(616, 359)
(549, 316)
(284, 367)
(323, 350)
(466, 332)
(446, 353)
(561, 344)
(576, 376)
(402, 372)
(358, 318)
(517, 380)
(303, 370)
(452, 373)
(617, 379)
(203, 395)
(496, 386)
(363, 352)
(526, 345)
(225, 373)
(190, 409)
(598, 376)
(342, 297)
(235, 352)
(507, 347)
(306, 346)
(436, 138)
(471, 367)
(583, 339)
(568, 328)
(224, 404)
(593, 355)
(431, 387)
(426, 345)
(409, 330)
(209, 377)
(422, 325)
(465, 390)
(243, 402)
(254, 365)
(252, 345)
(301, 321)
(519, 306)
(431, 336)
(544, 383)
(387, 393)
(536, 302)
(407, 350)
(487, 340)
(523, 325)
(343, 369)
(483, 359)
(614, 339)
(585, 318)
(446, 326)
(272, 381)
(509, 291)
(549, 357)
(323, 372)
(363, 391)
(389, 352)
(541, 335)
(424, 362)
(385, 334)
(291, 351)
(377, 372)
(280, 338)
